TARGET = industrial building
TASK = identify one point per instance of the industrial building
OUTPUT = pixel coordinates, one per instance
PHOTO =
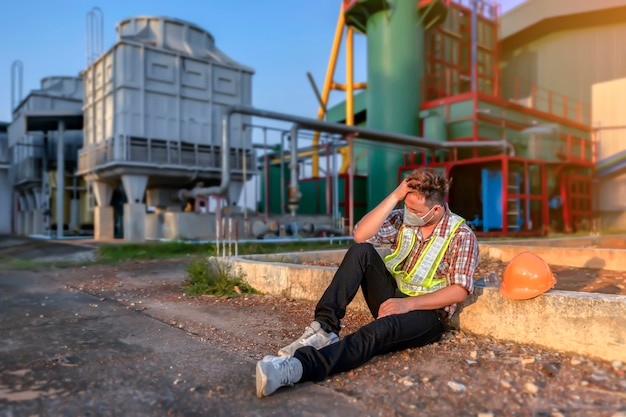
(573, 47)
(153, 122)
(5, 182)
(480, 79)
(43, 139)
(156, 135)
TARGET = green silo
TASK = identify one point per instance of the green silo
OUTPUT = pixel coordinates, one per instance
(395, 68)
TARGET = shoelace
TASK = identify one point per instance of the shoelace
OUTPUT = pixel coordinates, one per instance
(286, 370)
(311, 332)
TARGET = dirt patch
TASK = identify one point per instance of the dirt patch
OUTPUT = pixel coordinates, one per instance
(459, 376)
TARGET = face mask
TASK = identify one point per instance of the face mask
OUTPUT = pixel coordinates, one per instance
(412, 219)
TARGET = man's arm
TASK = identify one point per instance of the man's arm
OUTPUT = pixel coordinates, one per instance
(370, 224)
(451, 294)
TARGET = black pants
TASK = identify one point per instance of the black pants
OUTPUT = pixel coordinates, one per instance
(363, 267)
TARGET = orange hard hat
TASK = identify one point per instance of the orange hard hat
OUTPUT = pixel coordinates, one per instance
(526, 276)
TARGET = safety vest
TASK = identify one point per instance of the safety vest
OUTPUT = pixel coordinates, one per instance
(421, 279)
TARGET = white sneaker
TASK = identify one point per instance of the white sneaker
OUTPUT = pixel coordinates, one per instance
(314, 336)
(273, 372)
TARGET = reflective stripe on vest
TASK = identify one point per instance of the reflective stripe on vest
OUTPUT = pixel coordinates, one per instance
(421, 279)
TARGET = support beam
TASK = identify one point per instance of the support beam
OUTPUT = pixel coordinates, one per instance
(60, 178)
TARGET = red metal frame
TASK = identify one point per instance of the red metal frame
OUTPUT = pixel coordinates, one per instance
(448, 81)
(505, 162)
(346, 195)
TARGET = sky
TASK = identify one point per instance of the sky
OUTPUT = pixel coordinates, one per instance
(281, 40)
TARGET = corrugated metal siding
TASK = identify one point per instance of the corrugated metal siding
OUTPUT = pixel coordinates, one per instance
(609, 117)
(569, 62)
(612, 194)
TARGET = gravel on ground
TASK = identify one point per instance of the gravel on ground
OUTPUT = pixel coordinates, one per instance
(461, 375)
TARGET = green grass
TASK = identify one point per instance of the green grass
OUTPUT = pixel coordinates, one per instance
(206, 275)
(111, 254)
(9, 262)
(154, 250)
(215, 277)
(163, 250)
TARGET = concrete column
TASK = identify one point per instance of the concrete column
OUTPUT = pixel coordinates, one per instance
(104, 226)
(103, 222)
(134, 210)
(30, 217)
(38, 213)
(74, 224)
(20, 226)
(74, 214)
(5, 201)
(60, 179)
(28, 223)
(38, 223)
(134, 222)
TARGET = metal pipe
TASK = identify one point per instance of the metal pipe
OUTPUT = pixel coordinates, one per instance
(245, 175)
(282, 172)
(44, 183)
(351, 185)
(293, 195)
(317, 92)
(350, 77)
(60, 177)
(358, 131)
(221, 189)
(335, 183)
(17, 71)
(329, 127)
(94, 34)
(266, 176)
(344, 87)
(328, 184)
(303, 152)
(350, 117)
(270, 128)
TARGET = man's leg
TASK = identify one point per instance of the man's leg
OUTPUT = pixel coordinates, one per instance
(388, 334)
(362, 267)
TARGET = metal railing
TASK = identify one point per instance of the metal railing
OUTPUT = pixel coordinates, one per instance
(174, 154)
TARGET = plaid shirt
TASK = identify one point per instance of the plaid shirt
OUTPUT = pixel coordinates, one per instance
(458, 263)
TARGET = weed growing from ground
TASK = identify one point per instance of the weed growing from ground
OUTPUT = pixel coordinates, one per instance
(215, 277)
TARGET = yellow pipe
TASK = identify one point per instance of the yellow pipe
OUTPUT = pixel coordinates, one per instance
(350, 76)
(315, 167)
(345, 159)
(344, 87)
(301, 154)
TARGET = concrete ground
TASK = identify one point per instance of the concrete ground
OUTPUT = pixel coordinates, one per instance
(66, 353)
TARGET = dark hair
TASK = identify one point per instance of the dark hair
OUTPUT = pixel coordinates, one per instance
(431, 183)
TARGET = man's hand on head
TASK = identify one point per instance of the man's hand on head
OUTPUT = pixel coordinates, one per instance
(401, 190)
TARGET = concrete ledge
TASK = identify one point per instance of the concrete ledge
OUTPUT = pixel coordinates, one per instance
(614, 260)
(284, 275)
(574, 252)
(587, 324)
